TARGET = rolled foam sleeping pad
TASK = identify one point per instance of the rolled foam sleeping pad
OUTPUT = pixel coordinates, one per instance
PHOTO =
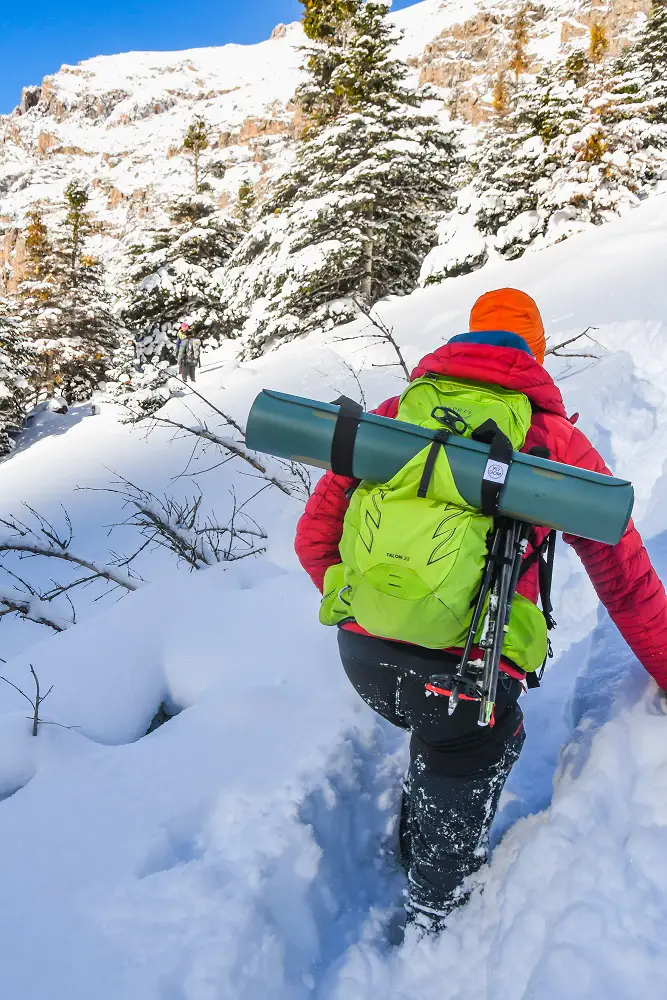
(536, 490)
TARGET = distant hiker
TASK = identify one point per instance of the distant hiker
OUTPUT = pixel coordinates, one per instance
(189, 350)
(457, 767)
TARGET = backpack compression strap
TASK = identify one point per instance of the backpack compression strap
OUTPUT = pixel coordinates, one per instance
(345, 435)
(440, 439)
(543, 554)
(497, 466)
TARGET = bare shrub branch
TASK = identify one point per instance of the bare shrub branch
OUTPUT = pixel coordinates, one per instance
(180, 527)
(30, 608)
(382, 333)
(46, 540)
(558, 350)
(230, 447)
(36, 702)
(38, 537)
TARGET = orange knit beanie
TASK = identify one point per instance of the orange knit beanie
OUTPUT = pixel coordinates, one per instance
(513, 311)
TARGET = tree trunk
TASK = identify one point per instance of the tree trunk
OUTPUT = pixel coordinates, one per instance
(75, 249)
(48, 376)
(196, 165)
(367, 279)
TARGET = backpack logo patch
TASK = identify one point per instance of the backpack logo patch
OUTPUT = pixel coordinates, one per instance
(495, 472)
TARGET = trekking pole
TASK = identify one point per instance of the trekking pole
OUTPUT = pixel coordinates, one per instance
(464, 680)
(500, 609)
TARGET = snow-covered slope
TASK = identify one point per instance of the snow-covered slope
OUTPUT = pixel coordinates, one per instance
(244, 849)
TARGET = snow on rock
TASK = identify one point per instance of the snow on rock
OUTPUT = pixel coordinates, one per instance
(245, 848)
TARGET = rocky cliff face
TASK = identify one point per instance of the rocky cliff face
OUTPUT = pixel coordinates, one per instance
(468, 57)
(117, 122)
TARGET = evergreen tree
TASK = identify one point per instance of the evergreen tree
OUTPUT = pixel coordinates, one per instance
(194, 143)
(15, 358)
(577, 66)
(357, 213)
(640, 84)
(327, 23)
(64, 306)
(78, 223)
(175, 276)
(246, 200)
(582, 141)
(142, 388)
(564, 157)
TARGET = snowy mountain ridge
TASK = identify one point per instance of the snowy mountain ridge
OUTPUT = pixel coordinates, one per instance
(117, 122)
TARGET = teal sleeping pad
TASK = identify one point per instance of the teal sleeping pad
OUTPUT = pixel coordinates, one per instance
(536, 490)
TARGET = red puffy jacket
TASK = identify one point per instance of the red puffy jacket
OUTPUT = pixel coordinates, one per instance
(622, 574)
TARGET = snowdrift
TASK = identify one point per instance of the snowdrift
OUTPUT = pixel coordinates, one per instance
(245, 849)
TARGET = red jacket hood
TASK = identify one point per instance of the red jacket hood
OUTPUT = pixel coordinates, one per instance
(505, 366)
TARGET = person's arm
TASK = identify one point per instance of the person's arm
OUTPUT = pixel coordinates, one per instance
(180, 357)
(624, 579)
(320, 527)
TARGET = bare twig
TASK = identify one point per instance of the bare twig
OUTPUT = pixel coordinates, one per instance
(354, 374)
(31, 609)
(25, 541)
(35, 703)
(383, 333)
(42, 538)
(180, 527)
(225, 416)
(234, 449)
(100, 571)
(557, 350)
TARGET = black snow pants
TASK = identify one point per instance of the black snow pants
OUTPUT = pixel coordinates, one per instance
(457, 768)
(187, 371)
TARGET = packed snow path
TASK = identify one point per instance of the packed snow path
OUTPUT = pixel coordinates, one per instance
(245, 849)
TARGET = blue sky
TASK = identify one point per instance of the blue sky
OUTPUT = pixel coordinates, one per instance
(38, 36)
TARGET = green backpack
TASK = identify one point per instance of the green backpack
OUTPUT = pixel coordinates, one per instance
(411, 565)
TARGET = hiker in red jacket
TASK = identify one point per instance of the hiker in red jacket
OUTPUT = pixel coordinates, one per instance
(458, 769)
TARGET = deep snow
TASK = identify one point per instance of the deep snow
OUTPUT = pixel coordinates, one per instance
(244, 849)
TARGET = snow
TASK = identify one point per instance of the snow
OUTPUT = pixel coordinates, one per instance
(245, 848)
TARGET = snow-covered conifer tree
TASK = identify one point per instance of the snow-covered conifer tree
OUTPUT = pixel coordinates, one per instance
(175, 277)
(143, 388)
(246, 200)
(584, 139)
(194, 143)
(357, 213)
(15, 369)
(64, 306)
